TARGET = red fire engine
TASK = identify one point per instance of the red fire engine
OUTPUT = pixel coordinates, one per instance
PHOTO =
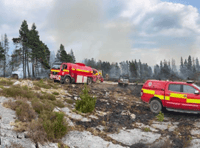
(72, 73)
(172, 95)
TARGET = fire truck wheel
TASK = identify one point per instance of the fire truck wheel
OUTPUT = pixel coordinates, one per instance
(89, 81)
(67, 80)
(155, 106)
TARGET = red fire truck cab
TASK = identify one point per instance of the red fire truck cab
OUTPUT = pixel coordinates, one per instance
(174, 96)
(97, 76)
(72, 73)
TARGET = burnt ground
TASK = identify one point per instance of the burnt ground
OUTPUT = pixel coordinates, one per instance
(113, 99)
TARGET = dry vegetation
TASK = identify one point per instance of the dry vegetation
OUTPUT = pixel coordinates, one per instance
(34, 111)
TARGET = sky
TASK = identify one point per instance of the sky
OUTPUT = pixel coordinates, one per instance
(110, 30)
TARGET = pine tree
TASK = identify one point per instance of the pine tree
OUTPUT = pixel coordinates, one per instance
(197, 65)
(24, 39)
(2, 55)
(72, 55)
(62, 55)
(5, 52)
(34, 46)
(189, 65)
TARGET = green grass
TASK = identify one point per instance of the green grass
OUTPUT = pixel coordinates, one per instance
(6, 82)
(15, 91)
(146, 129)
(47, 84)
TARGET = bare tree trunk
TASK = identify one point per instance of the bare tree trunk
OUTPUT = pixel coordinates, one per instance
(28, 64)
(33, 68)
(12, 63)
(23, 62)
(4, 67)
(28, 67)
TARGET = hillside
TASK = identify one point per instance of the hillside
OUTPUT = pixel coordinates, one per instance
(42, 114)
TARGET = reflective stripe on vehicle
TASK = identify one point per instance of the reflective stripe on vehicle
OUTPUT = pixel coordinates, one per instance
(65, 70)
(55, 70)
(193, 101)
(167, 98)
(161, 97)
(82, 70)
(181, 96)
(152, 92)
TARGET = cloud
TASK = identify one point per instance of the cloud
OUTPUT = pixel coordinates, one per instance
(110, 30)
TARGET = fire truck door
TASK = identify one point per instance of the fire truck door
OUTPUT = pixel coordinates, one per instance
(174, 97)
(193, 100)
(65, 69)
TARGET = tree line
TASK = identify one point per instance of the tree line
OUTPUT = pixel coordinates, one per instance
(34, 56)
(132, 68)
(30, 52)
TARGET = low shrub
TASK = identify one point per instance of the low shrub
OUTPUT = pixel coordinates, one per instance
(20, 126)
(87, 103)
(48, 105)
(37, 105)
(47, 96)
(54, 124)
(6, 82)
(36, 131)
(41, 84)
(14, 145)
(160, 117)
(55, 93)
(14, 91)
(58, 103)
(70, 101)
(62, 145)
(23, 110)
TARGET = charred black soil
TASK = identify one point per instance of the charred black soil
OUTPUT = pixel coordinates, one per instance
(113, 99)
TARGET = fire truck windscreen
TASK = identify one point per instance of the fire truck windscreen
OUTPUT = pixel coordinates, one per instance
(56, 66)
(196, 86)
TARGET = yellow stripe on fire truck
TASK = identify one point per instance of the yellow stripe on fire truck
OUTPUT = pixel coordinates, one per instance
(55, 70)
(152, 92)
(66, 70)
(161, 97)
(147, 91)
(82, 70)
(181, 96)
(193, 101)
(167, 98)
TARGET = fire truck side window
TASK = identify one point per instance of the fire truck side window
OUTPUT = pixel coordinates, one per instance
(64, 66)
(175, 87)
(188, 89)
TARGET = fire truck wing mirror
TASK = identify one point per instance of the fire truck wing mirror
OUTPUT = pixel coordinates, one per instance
(196, 92)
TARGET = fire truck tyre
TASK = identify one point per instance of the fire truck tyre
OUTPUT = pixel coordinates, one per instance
(67, 80)
(89, 81)
(155, 106)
